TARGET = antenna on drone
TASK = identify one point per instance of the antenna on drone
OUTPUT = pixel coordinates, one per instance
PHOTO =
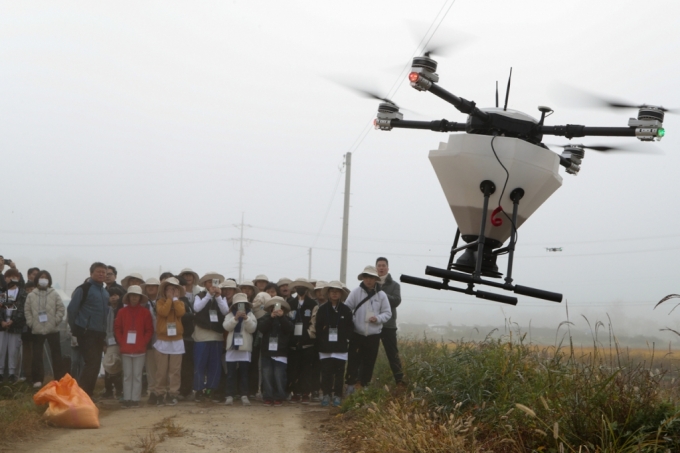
(496, 93)
(507, 92)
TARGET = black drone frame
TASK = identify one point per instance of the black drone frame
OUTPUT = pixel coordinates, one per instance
(493, 123)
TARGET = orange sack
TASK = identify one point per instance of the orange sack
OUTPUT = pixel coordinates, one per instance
(70, 407)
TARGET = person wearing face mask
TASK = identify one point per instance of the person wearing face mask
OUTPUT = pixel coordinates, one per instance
(12, 322)
(44, 312)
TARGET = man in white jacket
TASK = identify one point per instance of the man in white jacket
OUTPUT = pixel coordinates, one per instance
(371, 310)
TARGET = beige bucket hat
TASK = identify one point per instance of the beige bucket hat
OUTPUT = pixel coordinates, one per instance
(240, 298)
(247, 283)
(210, 276)
(150, 282)
(126, 281)
(261, 277)
(228, 283)
(269, 305)
(134, 289)
(173, 282)
(284, 281)
(113, 362)
(370, 271)
(320, 284)
(187, 270)
(301, 282)
(337, 285)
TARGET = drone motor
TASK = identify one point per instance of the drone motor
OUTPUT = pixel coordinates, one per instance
(574, 154)
(387, 111)
(423, 73)
(649, 123)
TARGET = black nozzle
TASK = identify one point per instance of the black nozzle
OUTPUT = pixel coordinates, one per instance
(421, 282)
(450, 275)
(496, 297)
(538, 293)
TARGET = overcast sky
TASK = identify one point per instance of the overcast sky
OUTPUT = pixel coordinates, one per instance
(138, 133)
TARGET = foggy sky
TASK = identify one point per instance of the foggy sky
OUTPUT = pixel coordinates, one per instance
(137, 133)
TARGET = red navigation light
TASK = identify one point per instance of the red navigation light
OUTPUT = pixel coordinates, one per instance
(414, 77)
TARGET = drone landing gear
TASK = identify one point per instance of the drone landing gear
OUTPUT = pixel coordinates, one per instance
(476, 267)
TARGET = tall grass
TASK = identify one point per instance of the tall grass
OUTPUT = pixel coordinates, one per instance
(505, 395)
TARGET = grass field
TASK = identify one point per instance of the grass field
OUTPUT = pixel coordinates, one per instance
(506, 395)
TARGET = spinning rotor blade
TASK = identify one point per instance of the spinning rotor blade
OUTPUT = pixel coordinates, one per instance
(606, 148)
(579, 98)
(442, 50)
(363, 92)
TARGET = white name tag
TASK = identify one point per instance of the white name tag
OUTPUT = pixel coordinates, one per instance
(298, 329)
(273, 343)
(131, 337)
(308, 313)
(332, 334)
(213, 315)
(172, 329)
(369, 315)
(42, 317)
(111, 341)
(238, 339)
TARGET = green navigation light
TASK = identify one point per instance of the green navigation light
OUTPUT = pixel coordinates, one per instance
(661, 132)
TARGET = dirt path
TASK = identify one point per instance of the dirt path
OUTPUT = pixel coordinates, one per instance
(209, 428)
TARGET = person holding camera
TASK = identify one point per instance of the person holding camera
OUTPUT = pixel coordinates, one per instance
(240, 324)
(209, 308)
(169, 346)
(277, 330)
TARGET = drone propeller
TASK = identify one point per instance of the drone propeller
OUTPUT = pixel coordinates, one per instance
(369, 94)
(442, 50)
(604, 148)
(580, 98)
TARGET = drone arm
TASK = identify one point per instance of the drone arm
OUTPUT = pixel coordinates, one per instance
(575, 130)
(463, 105)
(436, 126)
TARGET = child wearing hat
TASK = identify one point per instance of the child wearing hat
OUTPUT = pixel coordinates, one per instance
(240, 324)
(261, 282)
(277, 329)
(169, 346)
(334, 327)
(302, 352)
(210, 309)
(134, 329)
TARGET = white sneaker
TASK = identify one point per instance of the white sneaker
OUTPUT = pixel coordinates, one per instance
(245, 401)
(229, 401)
(37, 385)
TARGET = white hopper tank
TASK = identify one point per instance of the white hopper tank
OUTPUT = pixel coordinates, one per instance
(467, 160)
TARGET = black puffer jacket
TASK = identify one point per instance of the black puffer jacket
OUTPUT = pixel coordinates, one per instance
(326, 318)
(14, 311)
(280, 327)
(301, 313)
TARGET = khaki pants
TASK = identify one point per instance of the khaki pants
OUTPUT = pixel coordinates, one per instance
(151, 369)
(168, 373)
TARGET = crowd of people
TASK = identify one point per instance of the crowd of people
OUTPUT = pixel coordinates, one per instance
(206, 338)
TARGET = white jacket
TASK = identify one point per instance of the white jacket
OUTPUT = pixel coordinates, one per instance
(248, 327)
(49, 302)
(378, 305)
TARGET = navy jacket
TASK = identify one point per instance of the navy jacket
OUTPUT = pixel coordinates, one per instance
(91, 313)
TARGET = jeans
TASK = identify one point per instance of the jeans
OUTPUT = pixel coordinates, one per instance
(132, 377)
(363, 352)
(207, 364)
(10, 347)
(273, 379)
(91, 345)
(332, 374)
(242, 369)
(389, 342)
(37, 371)
(77, 363)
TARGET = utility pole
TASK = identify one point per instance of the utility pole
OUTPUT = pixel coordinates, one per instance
(309, 272)
(65, 275)
(345, 219)
(240, 253)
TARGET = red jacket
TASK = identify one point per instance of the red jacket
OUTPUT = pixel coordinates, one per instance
(136, 319)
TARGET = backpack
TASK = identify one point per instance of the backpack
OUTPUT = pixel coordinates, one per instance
(76, 330)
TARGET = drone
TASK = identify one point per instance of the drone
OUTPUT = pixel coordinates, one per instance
(498, 165)
(553, 249)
